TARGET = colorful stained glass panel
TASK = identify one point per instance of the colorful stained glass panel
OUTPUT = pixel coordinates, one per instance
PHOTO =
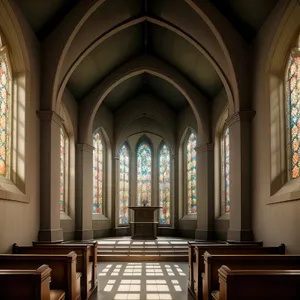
(191, 174)
(4, 115)
(144, 171)
(227, 170)
(97, 174)
(293, 108)
(164, 186)
(124, 185)
(62, 169)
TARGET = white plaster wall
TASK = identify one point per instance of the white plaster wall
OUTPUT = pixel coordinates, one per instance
(272, 223)
(19, 222)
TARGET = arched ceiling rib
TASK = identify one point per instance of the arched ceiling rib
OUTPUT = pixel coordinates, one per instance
(153, 40)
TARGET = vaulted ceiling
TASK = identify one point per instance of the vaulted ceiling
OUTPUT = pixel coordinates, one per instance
(145, 37)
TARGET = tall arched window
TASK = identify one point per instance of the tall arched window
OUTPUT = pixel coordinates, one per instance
(144, 171)
(5, 112)
(124, 185)
(225, 168)
(64, 166)
(97, 173)
(191, 173)
(164, 185)
(293, 113)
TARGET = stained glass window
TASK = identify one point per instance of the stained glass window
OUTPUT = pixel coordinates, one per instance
(225, 171)
(5, 114)
(191, 174)
(164, 185)
(293, 109)
(144, 169)
(97, 173)
(63, 166)
(124, 185)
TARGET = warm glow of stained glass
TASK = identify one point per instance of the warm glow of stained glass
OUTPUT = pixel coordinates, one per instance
(144, 170)
(62, 170)
(97, 174)
(124, 185)
(226, 170)
(164, 185)
(191, 174)
(5, 112)
(293, 109)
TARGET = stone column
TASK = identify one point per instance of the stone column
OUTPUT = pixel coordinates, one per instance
(239, 124)
(205, 192)
(50, 124)
(84, 192)
(115, 213)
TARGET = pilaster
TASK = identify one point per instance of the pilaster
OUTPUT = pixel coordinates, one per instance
(50, 124)
(205, 192)
(240, 228)
(84, 192)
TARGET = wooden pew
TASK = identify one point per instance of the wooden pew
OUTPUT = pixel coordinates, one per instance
(83, 265)
(63, 274)
(257, 284)
(198, 265)
(93, 257)
(28, 285)
(243, 262)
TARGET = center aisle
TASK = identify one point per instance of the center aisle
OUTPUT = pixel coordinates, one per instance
(141, 281)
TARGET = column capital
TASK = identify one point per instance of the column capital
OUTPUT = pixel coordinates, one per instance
(49, 115)
(204, 147)
(85, 147)
(240, 116)
(116, 158)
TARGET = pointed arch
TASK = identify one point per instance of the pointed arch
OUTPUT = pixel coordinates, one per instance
(5, 110)
(292, 78)
(144, 171)
(64, 169)
(164, 184)
(191, 174)
(98, 159)
(124, 183)
(225, 171)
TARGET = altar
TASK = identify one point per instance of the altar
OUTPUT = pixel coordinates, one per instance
(143, 226)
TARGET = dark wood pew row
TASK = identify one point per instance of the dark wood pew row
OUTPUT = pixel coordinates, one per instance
(63, 266)
(243, 262)
(28, 285)
(84, 265)
(192, 257)
(93, 256)
(198, 264)
(258, 284)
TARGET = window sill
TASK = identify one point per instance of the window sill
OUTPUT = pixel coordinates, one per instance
(99, 217)
(225, 216)
(64, 216)
(189, 217)
(8, 191)
(289, 192)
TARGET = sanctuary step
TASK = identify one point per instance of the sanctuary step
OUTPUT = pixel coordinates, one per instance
(126, 249)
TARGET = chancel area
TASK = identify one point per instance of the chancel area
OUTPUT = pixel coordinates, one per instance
(149, 149)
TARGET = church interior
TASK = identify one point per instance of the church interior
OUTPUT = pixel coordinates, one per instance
(151, 138)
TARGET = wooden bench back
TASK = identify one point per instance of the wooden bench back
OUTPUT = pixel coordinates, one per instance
(89, 261)
(63, 275)
(258, 284)
(243, 262)
(198, 266)
(25, 284)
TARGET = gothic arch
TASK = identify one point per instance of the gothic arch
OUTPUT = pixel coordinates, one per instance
(153, 66)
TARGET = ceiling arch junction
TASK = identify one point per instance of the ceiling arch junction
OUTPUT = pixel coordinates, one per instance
(95, 39)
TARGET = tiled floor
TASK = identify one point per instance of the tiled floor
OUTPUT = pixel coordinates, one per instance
(141, 281)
